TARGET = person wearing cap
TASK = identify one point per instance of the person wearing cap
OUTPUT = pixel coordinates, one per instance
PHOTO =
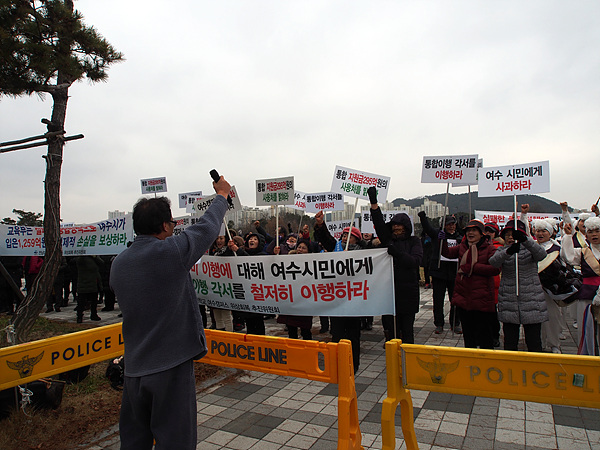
(443, 272)
(492, 231)
(521, 301)
(474, 289)
(588, 257)
(407, 253)
(342, 327)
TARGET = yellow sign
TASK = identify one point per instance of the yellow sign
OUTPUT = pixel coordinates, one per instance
(34, 360)
(292, 357)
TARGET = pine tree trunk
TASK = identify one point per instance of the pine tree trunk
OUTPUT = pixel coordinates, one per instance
(31, 307)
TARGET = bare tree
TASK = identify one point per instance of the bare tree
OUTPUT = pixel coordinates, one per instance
(44, 48)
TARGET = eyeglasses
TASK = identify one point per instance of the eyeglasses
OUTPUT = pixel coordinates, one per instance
(174, 222)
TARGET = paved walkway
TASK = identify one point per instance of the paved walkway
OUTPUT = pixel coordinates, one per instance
(264, 411)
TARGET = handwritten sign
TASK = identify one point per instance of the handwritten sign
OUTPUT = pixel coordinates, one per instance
(200, 205)
(479, 165)
(449, 169)
(183, 198)
(275, 191)
(299, 201)
(154, 185)
(354, 183)
(324, 201)
(366, 223)
(532, 178)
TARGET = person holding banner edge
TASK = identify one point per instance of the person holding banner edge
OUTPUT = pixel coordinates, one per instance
(407, 252)
(162, 326)
(342, 327)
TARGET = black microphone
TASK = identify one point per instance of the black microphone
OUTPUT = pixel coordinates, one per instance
(216, 177)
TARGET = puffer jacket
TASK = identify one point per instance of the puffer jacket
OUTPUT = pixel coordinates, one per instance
(474, 288)
(530, 305)
(407, 252)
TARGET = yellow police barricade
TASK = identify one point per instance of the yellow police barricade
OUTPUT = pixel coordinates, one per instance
(535, 377)
(319, 361)
(31, 361)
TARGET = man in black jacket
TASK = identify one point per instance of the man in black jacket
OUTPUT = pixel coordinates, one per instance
(407, 252)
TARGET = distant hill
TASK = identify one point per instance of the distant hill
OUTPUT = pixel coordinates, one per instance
(460, 203)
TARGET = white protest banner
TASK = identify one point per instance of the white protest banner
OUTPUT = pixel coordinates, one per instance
(357, 283)
(200, 205)
(275, 191)
(183, 198)
(154, 185)
(108, 237)
(459, 184)
(299, 201)
(449, 169)
(501, 217)
(355, 183)
(366, 223)
(324, 201)
(531, 178)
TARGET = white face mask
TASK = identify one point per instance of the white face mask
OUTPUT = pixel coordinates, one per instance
(291, 244)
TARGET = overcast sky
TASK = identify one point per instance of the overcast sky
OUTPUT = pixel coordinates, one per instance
(267, 89)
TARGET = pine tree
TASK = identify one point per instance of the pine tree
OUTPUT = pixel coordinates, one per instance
(44, 48)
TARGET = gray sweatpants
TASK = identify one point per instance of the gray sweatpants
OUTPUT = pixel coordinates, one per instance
(160, 407)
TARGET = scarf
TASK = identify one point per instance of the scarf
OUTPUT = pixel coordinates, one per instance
(466, 267)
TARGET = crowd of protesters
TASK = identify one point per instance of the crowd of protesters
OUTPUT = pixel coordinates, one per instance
(531, 275)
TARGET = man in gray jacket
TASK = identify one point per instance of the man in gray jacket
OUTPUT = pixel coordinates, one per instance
(162, 326)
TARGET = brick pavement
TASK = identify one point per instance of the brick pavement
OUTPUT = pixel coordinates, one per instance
(265, 411)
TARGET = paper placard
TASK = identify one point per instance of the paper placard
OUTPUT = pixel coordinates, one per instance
(500, 181)
(449, 169)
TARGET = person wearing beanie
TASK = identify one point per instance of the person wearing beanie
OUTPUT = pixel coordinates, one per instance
(588, 257)
(407, 252)
(341, 327)
(474, 289)
(492, 231)
(528, 306)
(442, 271)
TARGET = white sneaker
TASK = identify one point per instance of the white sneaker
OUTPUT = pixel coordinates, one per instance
(555, 350)
(575, 324)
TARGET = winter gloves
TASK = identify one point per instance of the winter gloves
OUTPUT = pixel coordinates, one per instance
(513, 248)
(441, 235)
(372, 193)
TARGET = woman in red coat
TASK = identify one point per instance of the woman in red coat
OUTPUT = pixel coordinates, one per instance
(474, 290)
